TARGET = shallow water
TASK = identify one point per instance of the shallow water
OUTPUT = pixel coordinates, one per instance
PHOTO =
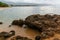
(9, 14)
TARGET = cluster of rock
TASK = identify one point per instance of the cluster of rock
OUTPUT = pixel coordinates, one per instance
(5, 35)
(47, 24)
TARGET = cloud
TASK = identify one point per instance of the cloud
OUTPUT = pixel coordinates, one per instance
(36, 1)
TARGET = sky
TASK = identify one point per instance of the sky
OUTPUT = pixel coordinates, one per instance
(36, 1)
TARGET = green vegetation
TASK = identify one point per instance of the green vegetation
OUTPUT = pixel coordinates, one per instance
(3, 4)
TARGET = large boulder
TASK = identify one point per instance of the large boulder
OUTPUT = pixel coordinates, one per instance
(40, 22)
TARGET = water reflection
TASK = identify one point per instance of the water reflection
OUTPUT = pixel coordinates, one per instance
(36, 10)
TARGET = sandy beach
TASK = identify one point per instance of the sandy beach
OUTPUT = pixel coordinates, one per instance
(3, 8)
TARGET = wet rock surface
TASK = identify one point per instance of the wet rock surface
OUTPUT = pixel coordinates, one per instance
(38, 38)
(5, 35)
(18, 22)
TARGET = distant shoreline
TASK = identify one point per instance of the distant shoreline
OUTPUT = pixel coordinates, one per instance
(2, 8)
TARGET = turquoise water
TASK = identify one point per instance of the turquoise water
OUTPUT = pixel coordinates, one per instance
(10, 14)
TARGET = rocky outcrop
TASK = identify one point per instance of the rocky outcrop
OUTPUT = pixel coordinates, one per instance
(40, 21)
(47, 24)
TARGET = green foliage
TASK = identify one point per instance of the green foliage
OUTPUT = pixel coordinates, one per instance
(3, 4)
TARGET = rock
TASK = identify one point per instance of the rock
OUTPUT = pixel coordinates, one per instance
(9, 25)
(35, 23)
(1, 22)
(6, 34)
(40, 22)
(15, 22)
(57, 31)
(38, 38)
(47, 34)
(21, 22)
(18, 22)
(20, 38)
(12, 33)
(48, 16)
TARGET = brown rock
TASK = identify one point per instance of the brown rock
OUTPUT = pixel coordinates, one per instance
(40, 22)
(18, 22)
(1, 22)
(20, 38)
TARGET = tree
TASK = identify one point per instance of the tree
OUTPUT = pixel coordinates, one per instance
(3, 4)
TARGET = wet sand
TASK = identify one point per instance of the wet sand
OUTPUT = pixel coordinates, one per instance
(24, 32)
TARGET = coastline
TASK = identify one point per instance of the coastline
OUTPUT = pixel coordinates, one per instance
(2, 8)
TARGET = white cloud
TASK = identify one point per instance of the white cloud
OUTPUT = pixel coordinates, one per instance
(37, 1)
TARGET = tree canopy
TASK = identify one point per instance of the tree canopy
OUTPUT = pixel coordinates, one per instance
(3, 4)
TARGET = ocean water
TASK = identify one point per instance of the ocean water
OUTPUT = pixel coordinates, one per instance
(13, 13)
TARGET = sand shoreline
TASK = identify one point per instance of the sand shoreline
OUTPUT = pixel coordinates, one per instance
(2, 8)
